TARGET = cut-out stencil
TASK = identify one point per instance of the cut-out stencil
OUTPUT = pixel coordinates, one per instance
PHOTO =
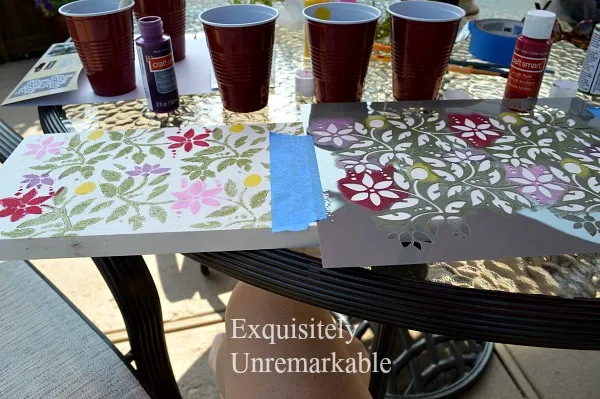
(134, 186)
(455, 181)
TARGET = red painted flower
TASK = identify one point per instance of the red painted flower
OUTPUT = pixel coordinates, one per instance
(477, 130)
(188, 140)
(17, 208)
(376, 190)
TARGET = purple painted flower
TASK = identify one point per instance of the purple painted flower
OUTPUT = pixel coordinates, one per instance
(37, 180)
(537, 182)
(42, 147)
(147, 169)
(594, 150)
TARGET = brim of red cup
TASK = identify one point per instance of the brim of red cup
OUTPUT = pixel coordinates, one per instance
(426, 11)
(342, 13)
(238, 15)
(93, 8)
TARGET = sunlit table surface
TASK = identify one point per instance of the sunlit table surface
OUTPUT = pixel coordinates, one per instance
(566, 276)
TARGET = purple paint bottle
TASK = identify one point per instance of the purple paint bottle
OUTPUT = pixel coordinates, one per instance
(157, 66)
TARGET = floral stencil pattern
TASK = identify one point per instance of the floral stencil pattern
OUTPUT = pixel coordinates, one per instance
(417, 169)
(125, 181)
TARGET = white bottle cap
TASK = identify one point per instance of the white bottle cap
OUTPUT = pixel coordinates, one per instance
(539, 24)
(563, 88)
(305, 84)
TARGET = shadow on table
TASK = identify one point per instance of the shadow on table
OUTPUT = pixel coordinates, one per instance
(182, 283)
(198, 381)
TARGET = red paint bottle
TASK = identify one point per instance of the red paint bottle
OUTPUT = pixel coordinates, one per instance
(530, 56)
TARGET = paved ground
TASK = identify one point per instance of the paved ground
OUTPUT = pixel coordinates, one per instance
(193, 305)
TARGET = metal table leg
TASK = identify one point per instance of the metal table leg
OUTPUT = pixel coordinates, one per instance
(133, 288)
(383, 347)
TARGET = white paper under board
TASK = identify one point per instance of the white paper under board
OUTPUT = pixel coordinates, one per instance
(193, 77)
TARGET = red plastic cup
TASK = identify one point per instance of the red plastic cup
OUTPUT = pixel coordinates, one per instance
(240, 39)
(340, 38)
(422, 36)
(103, 36)
(172, 13)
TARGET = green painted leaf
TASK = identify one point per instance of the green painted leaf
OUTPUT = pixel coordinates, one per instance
(217, 134)
(157, 152)
(265, 218)
(62, 157)
(129, 133)
(158, 191)
(207, 225)
(197, 175)
(266, 165)
(115, 136)
(84, 224)
(118, 213)
(80, 208)
(245, 164)
(119, 166)
(44, 167)
(69, 171)
(60, 196)
(259, 199)
(224, 164)
(258, 129)
(93, 148)
(210, 173)
(159, 179)
(111, 175)
(126, 185)
(87, 171)
(74, 142)
(225, 211)
(271, 126)
(156, 136)
(42, 219)
(18, 233)
(158, 213)
(109, 190)
(110, 147)
(138, 157)
(97, 159)
(211, 150)
(258, 141)
(231, 189)
(240, 142)
(251, 152)
(101, 206)
(137, 221)
(123, 152)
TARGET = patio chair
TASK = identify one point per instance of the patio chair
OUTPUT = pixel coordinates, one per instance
(49, 349)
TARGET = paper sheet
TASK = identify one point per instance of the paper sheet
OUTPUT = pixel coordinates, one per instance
(193, 77)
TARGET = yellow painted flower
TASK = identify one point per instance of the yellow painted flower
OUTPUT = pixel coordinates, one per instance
(85, 188)
(376, 122)
(574, 166)
(421, 171)
(237, 128)
(95, 135)
(511, 118)
(252, 181)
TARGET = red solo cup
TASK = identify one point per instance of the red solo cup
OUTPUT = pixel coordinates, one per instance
(340, 38)
(422, 36)
(172, 13)
(240, 39)
(103, 35)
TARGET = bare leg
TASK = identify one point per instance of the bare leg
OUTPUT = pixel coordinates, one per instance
(258, 307)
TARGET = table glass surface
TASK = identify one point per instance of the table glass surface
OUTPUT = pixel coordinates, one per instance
(564, 276)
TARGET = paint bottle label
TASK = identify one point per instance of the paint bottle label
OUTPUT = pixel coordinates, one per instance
(158, 75)
(589, 77)
(525, 74)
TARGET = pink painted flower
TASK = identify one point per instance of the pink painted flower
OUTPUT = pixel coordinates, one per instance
(196, 195)
(477, 130)
(536, 182)
(46, 146)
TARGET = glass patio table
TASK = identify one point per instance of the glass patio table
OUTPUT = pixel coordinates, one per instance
(549, 301)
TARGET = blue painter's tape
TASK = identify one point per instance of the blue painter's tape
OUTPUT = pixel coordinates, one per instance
(595, 111)
(296, 194)
(494, 40)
